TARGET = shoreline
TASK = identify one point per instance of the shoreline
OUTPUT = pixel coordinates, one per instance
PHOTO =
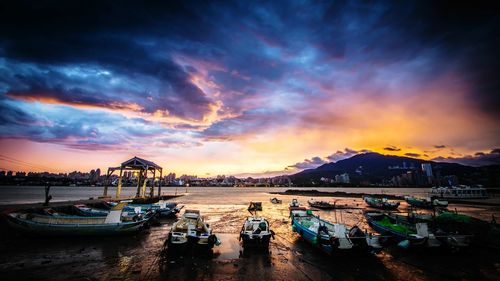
(492, 201)
(39, 205)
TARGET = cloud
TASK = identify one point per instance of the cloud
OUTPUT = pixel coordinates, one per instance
(440, 146)
(316, 161)
(307, 164)
(410, 154)
(392, 148)
(75, 128)
(348, 152)
(478, 159)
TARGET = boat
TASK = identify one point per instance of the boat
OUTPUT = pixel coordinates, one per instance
(381, 203)
(325, 205)
(416, 230)
(331, 237)
(255, 232)
(87, 211)
(255, 206)
(191, 231)
(276, 200)
(112, 224)
(425, 202)
(162, 208)
(295, 205)
(459, 192)
(385, 225)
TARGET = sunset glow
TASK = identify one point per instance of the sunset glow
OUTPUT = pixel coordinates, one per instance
(256, 91)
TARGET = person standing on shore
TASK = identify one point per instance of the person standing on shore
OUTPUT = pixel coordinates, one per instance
(47, 196)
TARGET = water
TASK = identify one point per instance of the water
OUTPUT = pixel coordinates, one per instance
(36, 194)
(139, 257)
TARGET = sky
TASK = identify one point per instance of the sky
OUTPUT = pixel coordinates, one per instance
(246, 87)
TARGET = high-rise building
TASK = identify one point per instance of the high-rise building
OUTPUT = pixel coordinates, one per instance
(427, 169)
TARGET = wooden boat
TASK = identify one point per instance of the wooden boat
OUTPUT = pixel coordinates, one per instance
(191, 231)
(112, 224)
(255, 232)
(386, 225)
(276, 200)
(87, 211)
(381, 203)
(416, 230)
(326, 205)
(425, 203)
(331, 237)
(162, 208)
(255, 206)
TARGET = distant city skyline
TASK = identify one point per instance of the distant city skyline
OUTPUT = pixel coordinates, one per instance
(240, 88)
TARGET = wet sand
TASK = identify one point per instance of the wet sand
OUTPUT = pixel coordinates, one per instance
(141, 257)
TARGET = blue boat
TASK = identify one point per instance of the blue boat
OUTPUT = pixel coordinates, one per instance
(331, 237)
(163, 208)
(112, 224)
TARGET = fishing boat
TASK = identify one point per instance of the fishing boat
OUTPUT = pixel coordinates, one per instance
(386, 225)
(425, 202)
(381, 203)
(331, 237)
(87, 211)
(276, 200)
(162, 208)
(325, 205)
(112, 224)
(255, 232)
(191, 231)
(255, 206)
(295, 205)
(459, 192)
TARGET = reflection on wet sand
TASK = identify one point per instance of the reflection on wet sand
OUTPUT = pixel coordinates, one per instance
(143, 256)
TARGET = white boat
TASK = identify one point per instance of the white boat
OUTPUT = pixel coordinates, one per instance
(458, 192)
(191, 230)
(255, 232)
(295, 205)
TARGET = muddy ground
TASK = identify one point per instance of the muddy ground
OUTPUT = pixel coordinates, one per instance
(143, 257)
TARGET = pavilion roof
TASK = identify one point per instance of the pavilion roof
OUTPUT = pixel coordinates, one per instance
(137, 162)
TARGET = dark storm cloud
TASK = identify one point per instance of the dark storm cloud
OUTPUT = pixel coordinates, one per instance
(478, 159)
(250, 49)
(392, 148)
(340, 155)
(307, 164)
(316, 161)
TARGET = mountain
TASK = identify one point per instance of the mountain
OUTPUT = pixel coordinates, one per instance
(376, 168)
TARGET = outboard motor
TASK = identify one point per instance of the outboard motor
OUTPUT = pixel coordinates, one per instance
(357, 236)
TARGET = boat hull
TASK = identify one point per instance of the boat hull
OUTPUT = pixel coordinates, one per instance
(46, 229)
(414, 239)
(249, 240)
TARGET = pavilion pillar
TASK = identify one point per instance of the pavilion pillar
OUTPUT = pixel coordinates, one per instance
(143, 190)
(119, 187)
(105, 192)
(159, 183)
(138, 193)
(152, 187)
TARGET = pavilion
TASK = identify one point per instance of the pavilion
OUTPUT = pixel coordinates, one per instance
(141, 166)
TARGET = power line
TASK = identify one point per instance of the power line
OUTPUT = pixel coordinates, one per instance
(21, 162)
